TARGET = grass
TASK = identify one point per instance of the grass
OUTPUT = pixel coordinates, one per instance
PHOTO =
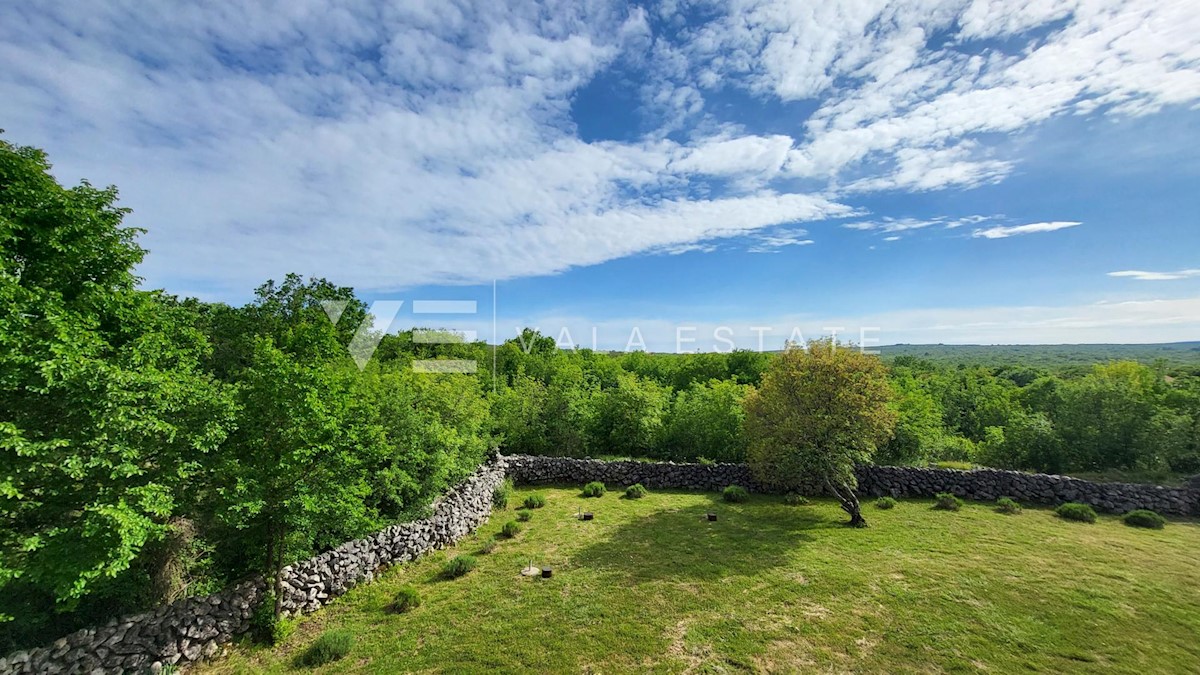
(649, 586)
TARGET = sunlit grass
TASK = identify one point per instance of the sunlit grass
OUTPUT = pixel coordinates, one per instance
(651, 586)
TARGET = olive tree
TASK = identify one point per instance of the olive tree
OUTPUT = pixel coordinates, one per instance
(819, 411)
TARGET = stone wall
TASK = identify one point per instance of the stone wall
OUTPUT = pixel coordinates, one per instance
(979, 484)
(195, 628)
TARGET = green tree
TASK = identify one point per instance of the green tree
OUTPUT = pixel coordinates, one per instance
(918, 421)
(628, 418)
(1104, 415)
(106, 412)
(706, 420)
(819, 412)
(293, 474)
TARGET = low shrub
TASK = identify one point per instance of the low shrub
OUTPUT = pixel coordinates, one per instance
(1076, 511)
(704, 461)
(594, 489)
(489, 545)
(735, 494)
(511, 529)
(635, 491)
(265, 627)
(1145, 518)
(331, 646)
(947, 502)
(793, 499)
(1007, 505)
(501, 494)
(406, 600)
(524, 515)
(458, 566)
(535, 501)
(885, 503)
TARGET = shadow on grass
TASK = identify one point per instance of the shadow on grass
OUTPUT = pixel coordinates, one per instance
(683, 545)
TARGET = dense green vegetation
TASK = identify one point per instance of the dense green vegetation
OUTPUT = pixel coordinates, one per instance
(650, 586)
(1078, 357)
(818, 414)
(153, 447)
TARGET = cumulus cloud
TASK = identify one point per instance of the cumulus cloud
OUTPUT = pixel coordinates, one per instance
(1002, 232)
(433, 141)
(1156, 276)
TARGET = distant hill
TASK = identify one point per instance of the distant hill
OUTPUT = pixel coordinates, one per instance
(1174, 353)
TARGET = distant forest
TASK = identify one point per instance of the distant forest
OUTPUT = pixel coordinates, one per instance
(1051, 356)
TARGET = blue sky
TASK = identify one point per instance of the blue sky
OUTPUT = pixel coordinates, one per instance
(958, 171)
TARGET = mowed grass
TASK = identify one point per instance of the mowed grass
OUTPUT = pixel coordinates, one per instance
(650, 586)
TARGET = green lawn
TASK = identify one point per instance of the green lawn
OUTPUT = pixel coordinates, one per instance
(650, 586)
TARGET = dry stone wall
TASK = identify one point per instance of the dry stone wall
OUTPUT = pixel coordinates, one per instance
(896, 481)
(196, 628)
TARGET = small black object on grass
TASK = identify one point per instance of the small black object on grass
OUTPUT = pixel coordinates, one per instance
(586, 515)
(547, 572)
(712, 517)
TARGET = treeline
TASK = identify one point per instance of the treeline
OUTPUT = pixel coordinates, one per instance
(153, 447)
(1117, 415)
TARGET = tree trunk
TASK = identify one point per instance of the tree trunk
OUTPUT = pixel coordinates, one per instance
(278, 565)
(849, 503)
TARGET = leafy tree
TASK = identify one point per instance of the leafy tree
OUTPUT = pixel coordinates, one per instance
(293, 472)
(1104, 415)
(918, 421)
(818, 413)
(106, 412)
(706, 420)
(973, 399)
(629, 417)
(434, 430)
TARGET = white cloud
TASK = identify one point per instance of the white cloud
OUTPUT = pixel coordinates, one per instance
(1001, 232)
(772, 242)
(1156, 276)
(433, 141)
(890, 225)
(757, 154)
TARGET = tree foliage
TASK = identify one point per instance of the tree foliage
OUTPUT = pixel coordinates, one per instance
(818, 413)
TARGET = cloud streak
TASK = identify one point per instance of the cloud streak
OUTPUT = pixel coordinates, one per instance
(1003, 232)
(1156, 276)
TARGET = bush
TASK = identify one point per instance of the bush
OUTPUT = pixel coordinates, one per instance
(458, 566)
(1075, 511)
(524, 515)
(407, 599)
(635, 491)
(501, 494)
(1145, 518)
(535, 501)
(704, 461)
(1007, 505)
(947, 502)
(594, 489)
(885, 503)
(735, 494)
(265, 628)
(489, 545)
(511, 529)
(793, 499)
(331, 646)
